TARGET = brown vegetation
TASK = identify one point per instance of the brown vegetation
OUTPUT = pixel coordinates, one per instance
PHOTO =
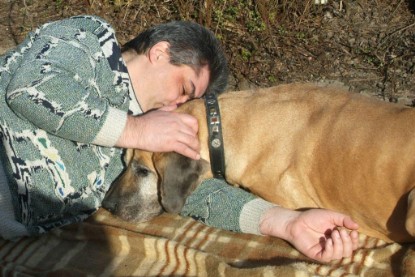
(366, 45)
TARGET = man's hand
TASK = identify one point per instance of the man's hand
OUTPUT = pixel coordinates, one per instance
(162, 131)
(317, 233)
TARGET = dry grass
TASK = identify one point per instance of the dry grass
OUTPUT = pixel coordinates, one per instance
(369, 45)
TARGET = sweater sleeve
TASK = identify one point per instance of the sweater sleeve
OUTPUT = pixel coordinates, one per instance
(65, 86)
(220, 205)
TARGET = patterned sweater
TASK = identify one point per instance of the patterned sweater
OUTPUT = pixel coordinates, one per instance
(65, 95)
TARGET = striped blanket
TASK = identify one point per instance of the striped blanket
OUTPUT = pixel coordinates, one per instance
(171, 245)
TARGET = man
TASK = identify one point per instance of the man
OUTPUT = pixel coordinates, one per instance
(72, 100)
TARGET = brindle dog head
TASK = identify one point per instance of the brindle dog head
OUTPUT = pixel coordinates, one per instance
(134, 195)
(151, 182)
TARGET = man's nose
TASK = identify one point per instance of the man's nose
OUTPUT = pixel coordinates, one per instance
(182, 99)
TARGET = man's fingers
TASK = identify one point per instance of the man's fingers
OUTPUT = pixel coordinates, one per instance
(190, 121)
(187, 151)
(349, 223)
(190, 142)
(163, 131)
(347, 243)
(342, 220)
(338, 246)
(354, 235)
(327, 251)
(185, 140)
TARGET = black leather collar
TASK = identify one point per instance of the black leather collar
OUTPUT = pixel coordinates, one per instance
(216, 150)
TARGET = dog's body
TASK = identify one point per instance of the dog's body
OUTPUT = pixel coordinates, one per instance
(304, 146)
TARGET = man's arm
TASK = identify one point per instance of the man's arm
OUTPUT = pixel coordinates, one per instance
(317, 233)
(65, 86)
(220, 205)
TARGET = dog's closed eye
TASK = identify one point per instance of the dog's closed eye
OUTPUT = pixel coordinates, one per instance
(140, 170)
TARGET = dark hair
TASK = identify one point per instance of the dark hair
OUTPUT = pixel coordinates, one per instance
(190, 44)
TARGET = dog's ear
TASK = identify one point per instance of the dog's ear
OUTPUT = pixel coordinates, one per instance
(179, 176)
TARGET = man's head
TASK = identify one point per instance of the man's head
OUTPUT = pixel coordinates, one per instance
(188, 44)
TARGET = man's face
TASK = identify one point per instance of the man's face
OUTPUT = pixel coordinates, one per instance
(158, 83)
(174, 85)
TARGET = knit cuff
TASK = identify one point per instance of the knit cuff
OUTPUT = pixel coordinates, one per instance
(251, 213)
(113, 127)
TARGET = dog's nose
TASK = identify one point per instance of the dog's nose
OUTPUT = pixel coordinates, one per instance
(109, 205)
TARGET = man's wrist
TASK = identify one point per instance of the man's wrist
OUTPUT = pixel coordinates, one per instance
(251, 215)
(132, 133)
(112, 129)
(277, 222)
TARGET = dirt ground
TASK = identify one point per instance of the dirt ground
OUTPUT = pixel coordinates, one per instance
(365, 45)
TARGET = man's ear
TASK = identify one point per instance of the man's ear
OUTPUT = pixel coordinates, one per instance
(179, 176)
(159, 52)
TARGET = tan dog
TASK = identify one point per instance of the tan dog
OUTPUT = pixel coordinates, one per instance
(299, 146)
